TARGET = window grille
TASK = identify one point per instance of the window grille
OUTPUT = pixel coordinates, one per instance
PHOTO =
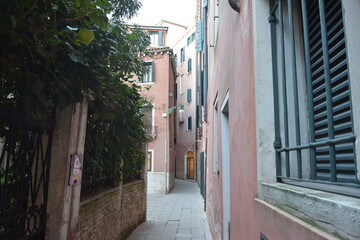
(329, 144)
(149, 74)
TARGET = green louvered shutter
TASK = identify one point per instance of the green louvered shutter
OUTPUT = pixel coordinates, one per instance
(200, 36)
(153, 71)
(205, 3)
(189, 123)
(189, 65)
(340, 91)
(189, 97)
(160, 38)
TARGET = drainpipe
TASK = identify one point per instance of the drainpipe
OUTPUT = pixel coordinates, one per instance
(235, 4)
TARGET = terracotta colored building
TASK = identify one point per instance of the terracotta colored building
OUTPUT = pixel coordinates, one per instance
(158, 87)
(279, 118)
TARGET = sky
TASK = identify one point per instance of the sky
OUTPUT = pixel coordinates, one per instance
(177, 11)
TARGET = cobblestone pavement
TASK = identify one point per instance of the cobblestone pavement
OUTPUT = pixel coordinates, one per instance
(179, 215)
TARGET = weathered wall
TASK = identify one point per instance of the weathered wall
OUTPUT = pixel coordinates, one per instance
(161, 94)
(64, 200)
(185, 80)
(113, 214)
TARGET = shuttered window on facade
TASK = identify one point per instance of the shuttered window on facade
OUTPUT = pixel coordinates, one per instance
(182, 55)
(330, 149)
(189, 95)
(189, 122)
(200, 36)
(337, 64)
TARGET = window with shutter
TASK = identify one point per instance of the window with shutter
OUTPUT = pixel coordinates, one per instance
(189, 97)
(331, 146)
(149, 74)
(335, 68)
(200, 36)
(182, 55)
(160, 38)
(189, 124)
(189, 65)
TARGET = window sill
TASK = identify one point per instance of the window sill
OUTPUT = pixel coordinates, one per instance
(147, 83)
(333, 213)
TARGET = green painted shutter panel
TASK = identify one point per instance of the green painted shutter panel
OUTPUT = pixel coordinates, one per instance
(205, 3)
(184, 54)
(200, 36)
(340, 91)
(189, 97)
(160, 38)
(153, 71)
(189, 65)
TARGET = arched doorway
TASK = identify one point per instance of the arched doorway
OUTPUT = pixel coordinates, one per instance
(190, 165)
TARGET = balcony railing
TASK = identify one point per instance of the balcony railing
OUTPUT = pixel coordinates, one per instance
(151, 131)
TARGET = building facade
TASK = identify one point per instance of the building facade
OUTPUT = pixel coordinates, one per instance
(186, 161)
(279, 118)
(158, 86)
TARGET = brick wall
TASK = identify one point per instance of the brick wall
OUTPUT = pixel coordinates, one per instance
(112, 214)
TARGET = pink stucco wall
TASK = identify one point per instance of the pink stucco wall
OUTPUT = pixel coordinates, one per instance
(158, 94)
(231, 68)
(161, 95)
(233, 71)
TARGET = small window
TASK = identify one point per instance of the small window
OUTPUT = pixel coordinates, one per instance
(182, 55)
(148, 75)
(156, 38)
(149, 162)
(149, 120)
(189, 124)
(189, 97)
(180, 85)
(176, 60)
(190, 39)
(189, 65)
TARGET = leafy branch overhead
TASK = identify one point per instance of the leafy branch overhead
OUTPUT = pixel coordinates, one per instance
(55, 53)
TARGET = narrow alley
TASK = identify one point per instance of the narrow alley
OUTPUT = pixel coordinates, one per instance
(178, 215)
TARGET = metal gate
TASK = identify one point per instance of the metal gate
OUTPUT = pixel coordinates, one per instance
(25, 146)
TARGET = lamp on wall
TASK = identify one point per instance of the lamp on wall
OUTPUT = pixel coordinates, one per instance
(235, 4)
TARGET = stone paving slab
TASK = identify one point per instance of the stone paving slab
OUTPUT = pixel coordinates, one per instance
(177, 216)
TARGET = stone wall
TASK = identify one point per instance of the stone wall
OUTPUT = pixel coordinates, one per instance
(112, 214)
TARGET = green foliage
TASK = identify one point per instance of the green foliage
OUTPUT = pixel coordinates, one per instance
(115, 131)
(55, 53)
(42, 44)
